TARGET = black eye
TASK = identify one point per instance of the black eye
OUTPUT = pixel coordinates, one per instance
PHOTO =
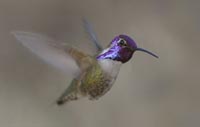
(122, 42)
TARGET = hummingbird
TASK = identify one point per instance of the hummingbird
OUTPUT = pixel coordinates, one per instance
(96, 73)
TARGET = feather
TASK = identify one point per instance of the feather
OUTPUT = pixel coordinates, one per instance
(50, 51)
(92, 35)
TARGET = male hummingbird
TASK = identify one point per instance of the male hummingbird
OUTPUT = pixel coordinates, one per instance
(96, 73)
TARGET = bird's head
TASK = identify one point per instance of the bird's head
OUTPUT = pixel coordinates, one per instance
(121, 49)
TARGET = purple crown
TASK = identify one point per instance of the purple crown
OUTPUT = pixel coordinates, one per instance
(129, 40)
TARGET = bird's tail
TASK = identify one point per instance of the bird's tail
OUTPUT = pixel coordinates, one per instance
(67, 98)
(70, 94)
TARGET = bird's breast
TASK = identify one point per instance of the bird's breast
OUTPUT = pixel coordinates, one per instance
(110, 67)
(100, 78)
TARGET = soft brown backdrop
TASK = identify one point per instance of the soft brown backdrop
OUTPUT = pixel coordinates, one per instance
(147, 93)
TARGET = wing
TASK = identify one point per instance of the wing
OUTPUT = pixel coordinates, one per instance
(59, 55)
(92, 35)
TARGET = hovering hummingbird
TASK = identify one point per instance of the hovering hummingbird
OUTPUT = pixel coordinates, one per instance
(96, 73)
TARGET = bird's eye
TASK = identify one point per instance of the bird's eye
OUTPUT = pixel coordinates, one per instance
(122, 42)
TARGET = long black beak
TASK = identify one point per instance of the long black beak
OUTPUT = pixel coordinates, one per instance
(148, 52)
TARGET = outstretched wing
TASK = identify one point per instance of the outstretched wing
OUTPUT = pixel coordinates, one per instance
(60, 55)
(91, 33)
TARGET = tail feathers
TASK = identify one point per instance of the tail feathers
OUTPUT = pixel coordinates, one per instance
(60, 102)
(65, 99)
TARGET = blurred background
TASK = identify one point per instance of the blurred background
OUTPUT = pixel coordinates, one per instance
(149, 92)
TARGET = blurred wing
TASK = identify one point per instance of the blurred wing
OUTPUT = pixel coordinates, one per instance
(48, 50)
(93, 37)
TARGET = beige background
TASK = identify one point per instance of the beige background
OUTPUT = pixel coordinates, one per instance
(147, 93)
